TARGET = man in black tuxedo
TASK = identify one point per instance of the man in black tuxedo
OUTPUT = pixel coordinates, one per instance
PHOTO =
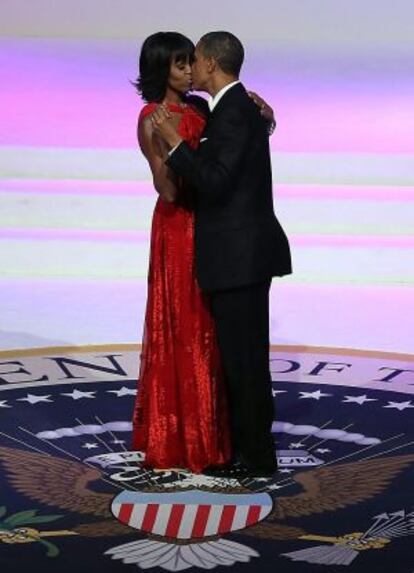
(239, 243)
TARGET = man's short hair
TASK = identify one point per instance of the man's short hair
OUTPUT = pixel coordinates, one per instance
(226, 49)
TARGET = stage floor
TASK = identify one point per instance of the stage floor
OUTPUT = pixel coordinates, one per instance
(76, 496)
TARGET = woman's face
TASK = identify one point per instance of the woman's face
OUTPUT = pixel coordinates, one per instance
(180, 78)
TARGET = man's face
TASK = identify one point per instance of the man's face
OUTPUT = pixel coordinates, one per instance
(200, 68)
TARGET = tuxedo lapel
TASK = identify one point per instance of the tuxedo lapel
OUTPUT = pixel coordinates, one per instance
(228, 98)
(233, 93)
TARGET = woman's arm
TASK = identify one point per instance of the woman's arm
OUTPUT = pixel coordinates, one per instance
(156, 152)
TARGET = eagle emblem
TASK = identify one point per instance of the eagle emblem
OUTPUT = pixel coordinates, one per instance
(193, 515)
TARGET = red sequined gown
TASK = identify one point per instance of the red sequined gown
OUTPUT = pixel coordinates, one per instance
(180, 415)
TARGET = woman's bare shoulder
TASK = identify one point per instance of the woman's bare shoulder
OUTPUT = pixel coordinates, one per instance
(146, 111)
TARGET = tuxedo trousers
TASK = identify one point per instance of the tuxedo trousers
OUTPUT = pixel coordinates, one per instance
(242, 324)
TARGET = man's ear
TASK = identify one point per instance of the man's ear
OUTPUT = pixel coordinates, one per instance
(211, 65)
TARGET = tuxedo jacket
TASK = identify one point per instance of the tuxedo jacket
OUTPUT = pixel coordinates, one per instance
(238, 239)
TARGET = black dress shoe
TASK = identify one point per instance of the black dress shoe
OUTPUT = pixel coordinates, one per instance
(230, 470)
(240, 472)
(262, 472)
(264, 468)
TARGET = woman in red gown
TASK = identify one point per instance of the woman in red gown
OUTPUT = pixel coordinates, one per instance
(180, 415)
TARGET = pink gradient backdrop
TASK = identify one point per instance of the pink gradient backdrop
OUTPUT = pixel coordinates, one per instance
(70, 93)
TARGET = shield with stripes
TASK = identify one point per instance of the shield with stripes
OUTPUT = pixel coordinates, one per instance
(191, 513)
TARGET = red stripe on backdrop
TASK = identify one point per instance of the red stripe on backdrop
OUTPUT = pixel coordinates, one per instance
(200, 521)
(125, 512)
(174, 521)
(226, 519)
(149, 517)
(253, 514)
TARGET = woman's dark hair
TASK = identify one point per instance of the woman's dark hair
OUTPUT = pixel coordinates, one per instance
(157, 53)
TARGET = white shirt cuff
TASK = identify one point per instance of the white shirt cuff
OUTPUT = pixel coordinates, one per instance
(174, 148)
